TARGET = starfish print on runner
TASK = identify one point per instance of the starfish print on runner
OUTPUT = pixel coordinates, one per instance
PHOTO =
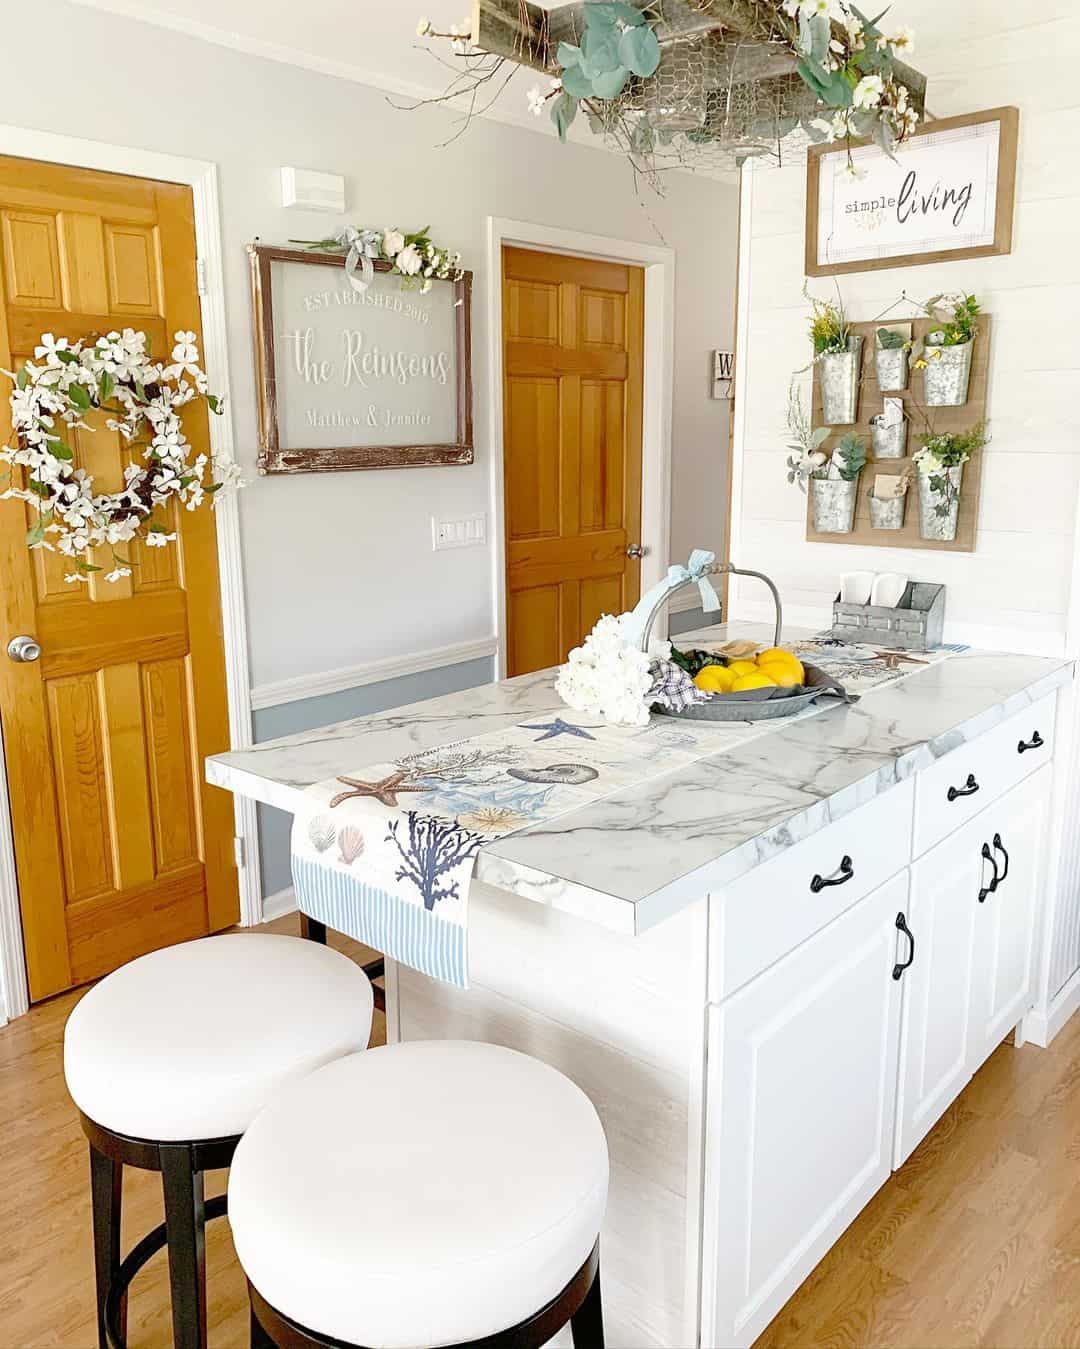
(385, 790)
(560, 727)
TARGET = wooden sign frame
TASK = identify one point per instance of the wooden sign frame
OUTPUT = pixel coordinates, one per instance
(1009, 120)
(943, 419)
(276, 458)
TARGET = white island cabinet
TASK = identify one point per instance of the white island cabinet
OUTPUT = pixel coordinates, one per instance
(772, 972)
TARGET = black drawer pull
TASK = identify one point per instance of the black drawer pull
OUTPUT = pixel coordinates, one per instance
(968, 789)
(901, 926)
(844, 874)
(1036, 742)
(1000, 847)
(989, 889)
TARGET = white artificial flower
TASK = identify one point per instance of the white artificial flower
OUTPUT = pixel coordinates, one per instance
(117, 574)
(868, 91)
(831, 9)
(157, 539)
(903, 40)
(393, 241)
(536, 100)
(426, 286)
(48, 349)
(408, 260)
(423, 27)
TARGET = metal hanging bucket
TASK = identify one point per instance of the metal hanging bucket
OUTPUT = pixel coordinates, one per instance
(938, 514)
(889, 438)
(947, 375)
(887, 514)
(891, 364)
(833, 504)
(840, 372)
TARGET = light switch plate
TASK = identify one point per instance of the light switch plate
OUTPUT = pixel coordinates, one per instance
(459, 531)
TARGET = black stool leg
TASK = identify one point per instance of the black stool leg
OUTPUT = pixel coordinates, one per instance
(185, 1223)
(587, 1323)
(260, 1338)
(106, 1182)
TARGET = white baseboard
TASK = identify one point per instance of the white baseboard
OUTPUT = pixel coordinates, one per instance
(299, 687)
(1041, 1026)
(278, 904)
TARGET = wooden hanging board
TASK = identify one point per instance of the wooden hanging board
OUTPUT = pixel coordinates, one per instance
(942, 419)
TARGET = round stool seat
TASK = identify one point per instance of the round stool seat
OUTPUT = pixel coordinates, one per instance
(189, 1042)
(427, 1193)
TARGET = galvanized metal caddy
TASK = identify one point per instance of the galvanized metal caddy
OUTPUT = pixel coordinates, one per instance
(752, 704)
(916, 624)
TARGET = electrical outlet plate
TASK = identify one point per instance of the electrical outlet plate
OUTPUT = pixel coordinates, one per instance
(459, 531)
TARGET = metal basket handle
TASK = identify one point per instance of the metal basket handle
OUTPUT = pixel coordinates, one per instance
(714, 569)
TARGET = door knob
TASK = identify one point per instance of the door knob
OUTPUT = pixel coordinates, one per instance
(635, 550)
(23, 649)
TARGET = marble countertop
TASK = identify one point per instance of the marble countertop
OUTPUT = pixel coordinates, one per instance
(631, 859)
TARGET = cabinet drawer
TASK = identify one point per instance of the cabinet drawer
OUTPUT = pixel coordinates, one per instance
(781, 903)
(957, 787)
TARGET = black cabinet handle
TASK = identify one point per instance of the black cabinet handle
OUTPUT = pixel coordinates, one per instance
(840, 877)
(1036, 742)
(1000, 847)
(968, 789)
(989, 889)
(901, 926)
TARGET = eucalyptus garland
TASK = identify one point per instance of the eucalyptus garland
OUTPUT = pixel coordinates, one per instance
(141, 399)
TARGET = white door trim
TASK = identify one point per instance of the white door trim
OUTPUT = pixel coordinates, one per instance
(659, 265)
(201, 176)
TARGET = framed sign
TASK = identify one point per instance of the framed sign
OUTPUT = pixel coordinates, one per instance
(948, 194)
(349, 379)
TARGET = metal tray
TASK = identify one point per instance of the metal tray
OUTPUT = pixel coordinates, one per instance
(766, 704)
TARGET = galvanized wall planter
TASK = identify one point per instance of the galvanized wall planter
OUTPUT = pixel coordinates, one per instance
(833, 504)
(887, 514)
(947, 375)
(891, 365)
(938, 512)
(888, 431)
(841, 374)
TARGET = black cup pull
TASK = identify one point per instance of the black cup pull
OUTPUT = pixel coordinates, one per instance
(969, 788)
(1000, 847)
(1036, 742)
(989, 889)
(901, 926)
(843, 874)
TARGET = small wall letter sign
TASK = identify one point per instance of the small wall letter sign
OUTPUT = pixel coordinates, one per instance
(347, 379)
(948, 194)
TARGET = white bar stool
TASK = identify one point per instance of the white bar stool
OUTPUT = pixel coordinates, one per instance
(432, 1193)
(169, 1059)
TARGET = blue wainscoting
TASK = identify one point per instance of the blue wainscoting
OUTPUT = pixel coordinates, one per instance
(309, 713)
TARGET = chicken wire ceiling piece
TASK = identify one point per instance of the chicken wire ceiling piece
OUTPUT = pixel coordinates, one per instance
(727, 86)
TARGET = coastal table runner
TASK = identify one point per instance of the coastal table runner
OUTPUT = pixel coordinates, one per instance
(385, 853)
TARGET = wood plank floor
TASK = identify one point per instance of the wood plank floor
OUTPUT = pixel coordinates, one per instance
(46, 1260)
(976, 1241)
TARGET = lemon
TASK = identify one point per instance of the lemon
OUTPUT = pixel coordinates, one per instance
(742, 667)
(714, 679)
(776, 655)
(757, 680)
(781, 673)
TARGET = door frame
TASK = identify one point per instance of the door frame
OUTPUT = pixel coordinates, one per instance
(658, 376)
(202, 177)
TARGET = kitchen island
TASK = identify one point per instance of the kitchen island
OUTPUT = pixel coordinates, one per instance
(771, 971)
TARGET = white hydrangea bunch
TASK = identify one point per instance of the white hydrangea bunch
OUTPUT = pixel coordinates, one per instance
(606, 676)
(115, 374)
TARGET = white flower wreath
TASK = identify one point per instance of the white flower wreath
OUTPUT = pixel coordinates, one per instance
(114, 374)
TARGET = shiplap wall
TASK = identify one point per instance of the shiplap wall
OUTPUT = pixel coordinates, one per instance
(1014, 590)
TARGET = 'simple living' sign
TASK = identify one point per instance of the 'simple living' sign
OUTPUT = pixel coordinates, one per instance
(947, 194)
(349, 378)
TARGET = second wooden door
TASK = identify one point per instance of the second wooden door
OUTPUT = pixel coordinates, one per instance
(572, 398)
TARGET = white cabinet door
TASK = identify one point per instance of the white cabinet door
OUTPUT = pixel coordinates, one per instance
(801, 1101)
(935, 1038)
(1005, 928)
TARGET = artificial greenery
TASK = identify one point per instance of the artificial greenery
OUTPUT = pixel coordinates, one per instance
(617, 42)
(942, 452)
(888, 339)
(850, 457)
(806, 460)
(693, 662)
(960, 320)
(829, 326)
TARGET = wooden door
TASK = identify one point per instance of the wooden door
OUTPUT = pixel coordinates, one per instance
(935, 1062)
(120, 847)
(801, 1096)
(1015, 827)
(573, 331)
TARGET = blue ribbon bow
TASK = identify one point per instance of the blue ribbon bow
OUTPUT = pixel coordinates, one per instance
(363, 246)
(695, 570)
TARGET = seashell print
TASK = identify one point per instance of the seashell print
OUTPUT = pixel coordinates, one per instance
(567, 774)
(493, 820)
(350, 844)
(322, 831)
